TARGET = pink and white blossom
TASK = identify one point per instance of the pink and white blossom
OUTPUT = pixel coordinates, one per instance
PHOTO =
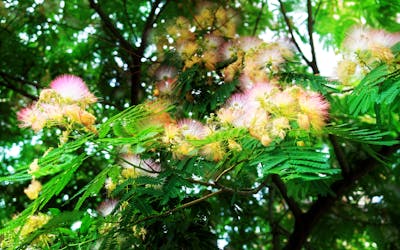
(107, 206)
(193, 129)
(73, 88)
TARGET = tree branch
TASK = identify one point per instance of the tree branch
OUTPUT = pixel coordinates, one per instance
(127, 17)
(258, 18)
(112, 28)
(310, 29)
(225, 172)
(293, 206)
(250, 191)
(340, 156)
(188, 204)
(19, 79)
(135, 66)
(19, 91)
(307, 221)
(288, 24)
(272, 222)
(149, 25)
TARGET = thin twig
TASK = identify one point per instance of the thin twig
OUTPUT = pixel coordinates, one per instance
(288, 24)
(202, 183)
(19, 79)
(188, 204)
(310, 29)
(249, 191)
(112, 28)
(293, 206)
(340, 156)
(19, 91)
(258, 17)
(225, 172)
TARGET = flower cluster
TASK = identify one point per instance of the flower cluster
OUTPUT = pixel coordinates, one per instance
(200, 40)
(33, 223)
(255, 58)
(180, 138)
(63, 104)
(133, 166)
(265, 110)
(365, 47)
(211, 42)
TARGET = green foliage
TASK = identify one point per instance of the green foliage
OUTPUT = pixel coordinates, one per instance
(296, 163)
(365, 94)
(365, 136)
(92, 197)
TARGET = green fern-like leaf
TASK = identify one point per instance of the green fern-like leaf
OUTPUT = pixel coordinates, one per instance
(315, 82)
(373, 137)
(390, 90)
(93, 187)
(57, 183)
(305, 163)
(366, 93)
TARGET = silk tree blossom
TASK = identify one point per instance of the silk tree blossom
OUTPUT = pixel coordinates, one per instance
(228, 50)
(261, 91)
(213, 151)
(78, 115)
(192, 129)
(270, 56)
(33, 223)
(33, 190)
(107, 206)
(249, 43)
(279, 127)
(267, 111)
(358, 39)
(363, 39)
(38, 115)
(134, 166)
(213, 42)
(234, 111)
(72, 88)
(32, 117)
(110, 185)
(365, 48)
(315, 108)
(165, 72)
(62, 105)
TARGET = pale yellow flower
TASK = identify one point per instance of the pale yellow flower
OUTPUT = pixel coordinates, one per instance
(33, 190)
(33, 167)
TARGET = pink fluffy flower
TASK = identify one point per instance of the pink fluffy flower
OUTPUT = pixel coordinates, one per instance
(213, 42)
(364, 38)
(358, 39)
(315, 107)
(261, 91)
(32, 117)
(166, 77)
(107, 207)
(134, 166)
(192, 129)
(270, 56)
(165, 72)
(239, 110)
(73, 88)
(247, 43)
(227, 50)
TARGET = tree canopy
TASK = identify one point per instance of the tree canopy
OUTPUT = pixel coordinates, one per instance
(165, 124)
